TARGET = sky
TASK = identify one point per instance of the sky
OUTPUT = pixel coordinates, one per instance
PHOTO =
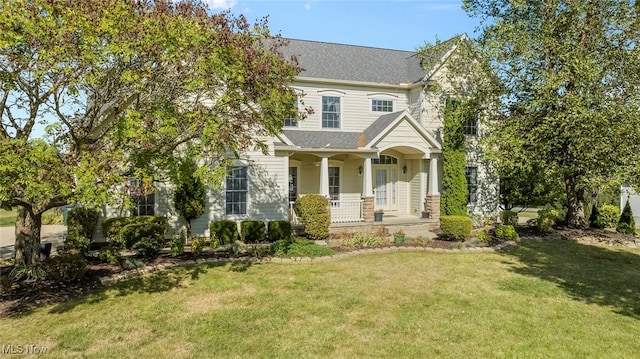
(391, 24)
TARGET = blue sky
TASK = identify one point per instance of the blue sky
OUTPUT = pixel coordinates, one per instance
(393, 24)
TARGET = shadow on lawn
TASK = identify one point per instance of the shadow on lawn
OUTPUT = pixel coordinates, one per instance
(66, 297)
(592, 274)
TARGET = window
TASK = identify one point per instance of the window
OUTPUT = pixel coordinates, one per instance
(385, 160)
(334, 183)
(291, 121)
(381, 105)
(472, 184)
(144, 203)
(330, 112)
(471, 126)
(293, 184)
(236, 191)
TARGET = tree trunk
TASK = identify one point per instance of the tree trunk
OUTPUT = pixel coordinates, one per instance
(27, 247)
(575, 204)
(188, 227)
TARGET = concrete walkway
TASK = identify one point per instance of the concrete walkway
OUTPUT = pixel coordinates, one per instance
(50, 234)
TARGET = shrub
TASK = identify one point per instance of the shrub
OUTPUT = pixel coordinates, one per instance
(225, 231)
(148, 247)
(506, 232)
(288, 248)
(509, 217)
(456, 228)
(608, 216)
(81, 225)
(252, 231)
(547, 218)
(35, 272)
(122, 231)
(66, 267)
(278, 230)
(110, 254)
(595, 219)
(313, 211)
(189, 198)
(176, 243)
(197, 244)
(626, 224)
(483, 237)
(363, 239)
(453, 200)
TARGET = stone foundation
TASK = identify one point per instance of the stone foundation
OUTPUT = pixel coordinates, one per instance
(432, 205)
(368, 209)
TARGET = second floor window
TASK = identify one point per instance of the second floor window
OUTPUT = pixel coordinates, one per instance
(143, 203)
(471, 126)
(291, 121)
(330, 112)
(381, 105)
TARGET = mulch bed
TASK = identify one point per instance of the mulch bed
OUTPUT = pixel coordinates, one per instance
(26, 296)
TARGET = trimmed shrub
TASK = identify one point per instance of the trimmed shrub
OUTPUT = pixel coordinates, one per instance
(277, 230)
(225, 231)
(456, 228)
(626, 224)
(110, 254)
(547, 218)
(116, 233)
(288, 248)
(506, 232)
(509, 217)
(313, 211)
(252, 231)
(66, 267)
(608, 216)
(189, 197)
(453, 200)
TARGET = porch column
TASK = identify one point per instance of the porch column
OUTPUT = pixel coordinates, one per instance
(432, 200)
(367, 185)
(433, 176)
(324, 176)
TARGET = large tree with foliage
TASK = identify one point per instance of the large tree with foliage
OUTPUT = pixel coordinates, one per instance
(571, 70)
(121, 88)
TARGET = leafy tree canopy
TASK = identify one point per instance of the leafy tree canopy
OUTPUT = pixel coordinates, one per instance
(127, 88)
(570, 71)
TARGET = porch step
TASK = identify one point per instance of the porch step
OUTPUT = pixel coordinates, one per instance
(412, 230)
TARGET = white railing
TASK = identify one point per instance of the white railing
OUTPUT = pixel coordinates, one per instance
(341, 212)
(346, 211)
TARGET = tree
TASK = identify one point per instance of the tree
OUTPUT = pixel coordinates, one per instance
(121, 89)
(571, 74)
(626, 223)
(189, 197)
(453, 199)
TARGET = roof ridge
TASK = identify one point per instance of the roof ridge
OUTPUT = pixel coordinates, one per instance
(351, 45)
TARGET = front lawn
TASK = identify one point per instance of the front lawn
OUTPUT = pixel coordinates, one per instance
(7, 218)
(552, 299)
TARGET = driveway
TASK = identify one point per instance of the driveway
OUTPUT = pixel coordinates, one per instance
(50, 233)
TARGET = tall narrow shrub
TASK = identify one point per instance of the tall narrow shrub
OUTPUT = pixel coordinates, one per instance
(453, 200)
(189, 197)
(626, 223)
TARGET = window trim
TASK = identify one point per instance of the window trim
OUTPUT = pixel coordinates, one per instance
(339, 185)
(471, 127)
(372, 110)
(245, 191)
(471, 187)
(134, 187)
(339, 113)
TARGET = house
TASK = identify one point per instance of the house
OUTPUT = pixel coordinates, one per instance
(373, 143)
(628, 193)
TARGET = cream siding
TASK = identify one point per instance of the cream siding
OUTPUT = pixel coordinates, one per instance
(402, 135)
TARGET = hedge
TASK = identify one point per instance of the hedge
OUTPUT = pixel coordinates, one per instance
(252, 231)
(277, 230)
(144, 234)
(225, 231)
(313, 211)
(456, 228)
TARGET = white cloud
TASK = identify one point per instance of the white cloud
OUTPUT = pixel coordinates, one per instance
(222, 4)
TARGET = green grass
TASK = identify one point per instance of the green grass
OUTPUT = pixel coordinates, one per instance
(7, 218)
(554, 299)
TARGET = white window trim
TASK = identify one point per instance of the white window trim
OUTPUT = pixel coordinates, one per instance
(384, 97)
(332, 93)
(234, 216)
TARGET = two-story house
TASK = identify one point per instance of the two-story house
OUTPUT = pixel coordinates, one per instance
(372, 143)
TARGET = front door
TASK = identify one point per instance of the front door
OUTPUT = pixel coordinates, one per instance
(386, 188)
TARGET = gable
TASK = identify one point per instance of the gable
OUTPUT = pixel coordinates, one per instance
(400, 129)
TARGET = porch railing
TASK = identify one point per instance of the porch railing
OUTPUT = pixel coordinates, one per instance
(341, 212)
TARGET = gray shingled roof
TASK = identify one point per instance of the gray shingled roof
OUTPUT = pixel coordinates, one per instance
(355, 63)
(379, 125)
(323, 139)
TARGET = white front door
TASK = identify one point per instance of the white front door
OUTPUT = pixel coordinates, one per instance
(386, 187)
